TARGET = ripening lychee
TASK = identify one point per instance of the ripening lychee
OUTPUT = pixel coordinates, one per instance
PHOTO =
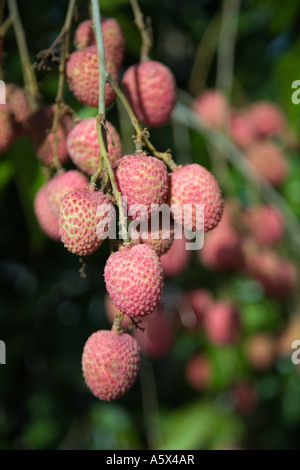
(85, 218)
(44, 214)
(40, 125)
(241, 129)
(83, 145)
(222, 323)
(193, 307)
(177, 258)
(198, 372)
(113, 39)
(61, 185)
(160, 239)
(134, 280)
(111, 312)
(143, 180)
(7, 132)
(82, 72)
(260, 350)
(157, 338)
(191, 187)
(212, 108)
(17, 101)
(266, 223)
(267, 119)
(151, 90)
(110, 363)
(269, 161)
(279, 276)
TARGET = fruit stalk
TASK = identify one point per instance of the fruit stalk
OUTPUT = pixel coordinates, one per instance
(30, 80)
(65, 34)
(104, 162)
(144, 31)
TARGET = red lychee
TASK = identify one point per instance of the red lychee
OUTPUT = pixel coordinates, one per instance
(44, 214)
(82, 71)
(84, 35)
(177, 258)
(17, 101)
(199, 372)
(84, 218)
(134, 280)
(212, 107)
(242, 130)
(83, 145)
(222, 323)
(61, 185)
(269, 161)
(151, 90)
(143, 180)
(110, 363)
(267, 119)
(193, 186)
(266, 223)
(39, 128)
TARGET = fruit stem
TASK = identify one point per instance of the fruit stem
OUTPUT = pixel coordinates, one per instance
(142, 135)
(117, 322)
(145, 30)
(59, 101)
(30, 81)
(5, 26)
(104, 162)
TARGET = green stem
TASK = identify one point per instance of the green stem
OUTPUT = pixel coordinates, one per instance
(144, 31)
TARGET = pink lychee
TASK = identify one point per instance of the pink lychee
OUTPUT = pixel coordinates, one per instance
(134, 280)
(193, 186)
(17, 101)
(222, 323)
(44, 214)
(267, 119)
(85, 216)
(61, 185)
(212, 107)
(177, 258)
(266, 223)
(151, 90)
(160, 239)
(199, 372)
(83, 145)
(84, 35)
(193, 307)
(110, 363)
(269, 161)
(241, 129)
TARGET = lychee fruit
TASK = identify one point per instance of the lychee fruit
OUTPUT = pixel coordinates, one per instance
(222, 323)
(40, 132)
(7, 128)
(111, 312)
(193, 307)
(151, 90)
(198, 372)
(17, 101)
(82, 72)
(85, 218)
(267, 119)
(241, 129)
(212, 108)
(266, 223)
(110, 363)
(44, 214)
(269, 161)
(134, 280)
(61, 185)
(160, 239)
(143, 180)
(260, 350)
(177, 258)
(192, 186)
(157, 338)
(84, 35)
(83, 145)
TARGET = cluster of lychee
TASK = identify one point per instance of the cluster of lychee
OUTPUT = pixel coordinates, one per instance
(72, 210)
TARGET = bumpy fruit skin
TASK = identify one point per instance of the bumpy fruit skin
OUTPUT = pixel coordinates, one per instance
(157, 338)
(134, 280)
(78, 220)
(83, 145)
(212, 107)
(61, 185)
(222, 323)
(198, 372)
(193, 307)
(42, 139)
(193, 184)
(269, 161)
(143, 180)
(44, 214)
(110, 363)
(111, 311)
(267, 119)
(7, 134)
(82, 71)
(113, 39)
(177, 258)
(151, 90)
(266, 224)
(17, 101)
